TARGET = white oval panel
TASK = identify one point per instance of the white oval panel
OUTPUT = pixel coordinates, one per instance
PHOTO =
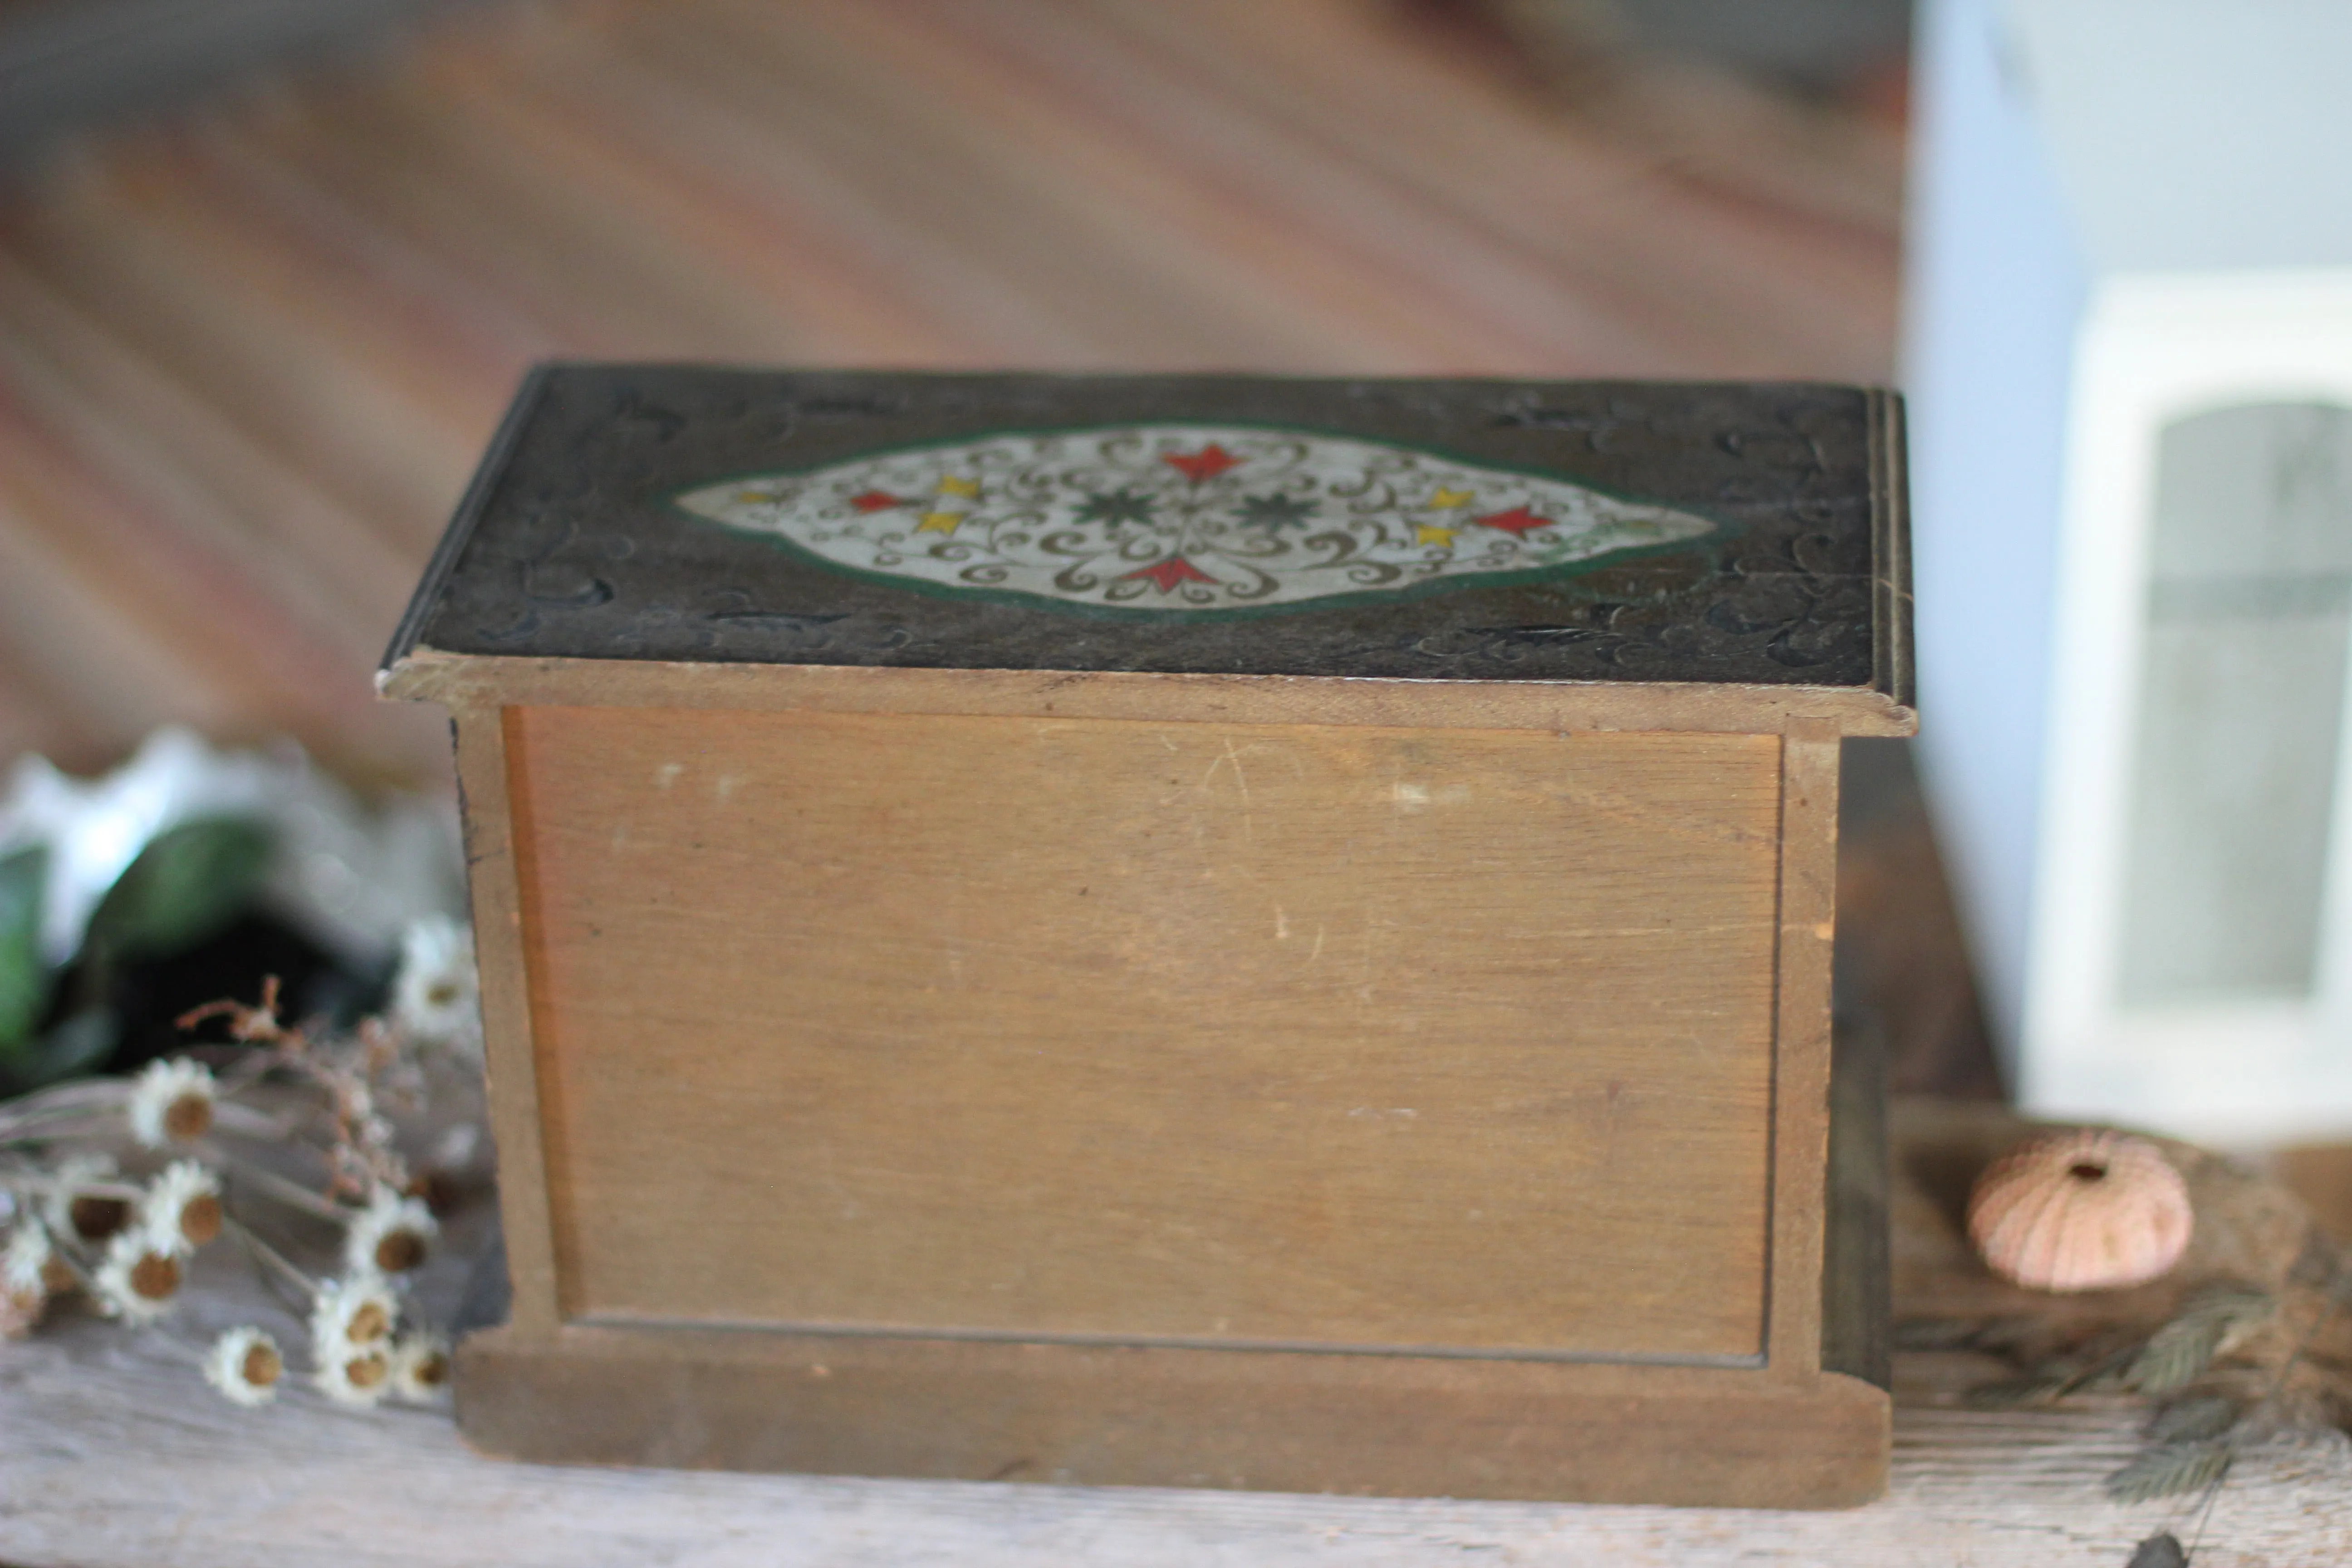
(1185, 519)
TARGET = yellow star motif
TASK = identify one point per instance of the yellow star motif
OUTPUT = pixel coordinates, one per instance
(1452, 497)
(967, 489)
(939, 523)
(1425, 534)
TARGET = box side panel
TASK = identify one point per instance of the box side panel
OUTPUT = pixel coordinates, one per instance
(1800, 1070)
(497, 839)
(1194, 1033)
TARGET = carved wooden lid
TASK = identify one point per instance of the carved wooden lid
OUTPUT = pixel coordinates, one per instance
(1647, 534)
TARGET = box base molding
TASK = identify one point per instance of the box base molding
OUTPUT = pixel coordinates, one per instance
(1117, 1416)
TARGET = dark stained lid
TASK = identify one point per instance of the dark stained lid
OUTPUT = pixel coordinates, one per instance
(1418, 529)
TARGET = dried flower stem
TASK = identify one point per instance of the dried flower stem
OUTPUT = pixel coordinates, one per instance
(159, 1334)
(295, 1193)
(255, 1024)
(361, 1156)
(14, 1122)
(76, 1102)
(247, 1121)
(39, 1186)
(46, 1119)
(247, 1069)
(67, 1251)
(277, 1266)
(324, 1106)
(281, 1136)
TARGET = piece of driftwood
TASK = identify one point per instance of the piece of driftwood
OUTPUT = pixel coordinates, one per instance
(112, 1452)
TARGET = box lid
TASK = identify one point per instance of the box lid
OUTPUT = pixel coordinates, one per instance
(1735, 550)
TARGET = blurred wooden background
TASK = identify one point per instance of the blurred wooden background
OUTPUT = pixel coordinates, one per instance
(250, 348)
(252, 341)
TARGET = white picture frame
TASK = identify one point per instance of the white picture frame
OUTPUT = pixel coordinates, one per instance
(2153, 349)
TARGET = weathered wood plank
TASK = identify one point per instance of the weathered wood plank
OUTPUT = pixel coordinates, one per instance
(112, 1451)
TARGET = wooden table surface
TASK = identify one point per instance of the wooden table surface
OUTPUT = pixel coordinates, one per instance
(112, 1451)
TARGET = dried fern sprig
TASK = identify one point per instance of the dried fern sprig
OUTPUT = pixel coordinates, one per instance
(2194, 1420)
(2176, 1354)
(2167, 1469)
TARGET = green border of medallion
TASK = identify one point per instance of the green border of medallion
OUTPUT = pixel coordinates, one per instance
(1720, 531)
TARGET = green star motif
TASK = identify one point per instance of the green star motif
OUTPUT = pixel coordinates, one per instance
(1275, 511)
(1120, 506)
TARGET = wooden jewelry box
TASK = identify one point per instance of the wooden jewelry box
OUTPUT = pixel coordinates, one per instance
(1179, 930)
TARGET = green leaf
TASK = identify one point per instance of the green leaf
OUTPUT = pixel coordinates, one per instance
(189, 882)
(23, 979)
(2176, 1354)
(2168, 1469)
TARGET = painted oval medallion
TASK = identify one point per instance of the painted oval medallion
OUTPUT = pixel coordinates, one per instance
(1186, 520)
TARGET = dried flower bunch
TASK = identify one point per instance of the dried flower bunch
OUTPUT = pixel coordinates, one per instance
(293, 1122)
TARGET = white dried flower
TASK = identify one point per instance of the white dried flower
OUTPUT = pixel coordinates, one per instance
(372, 1133)
(435, 997)
(27, 1263)
(138, 1279)
(26, 1269)
(244, 1364)
(391, 1235)
(172, 1102)
(358, 1376)
(354, 1102)
(182, 1210)
(71, 1209)
(355, 1312)
(420, 1367)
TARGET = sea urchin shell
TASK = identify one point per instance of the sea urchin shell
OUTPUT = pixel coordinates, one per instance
(2081, 1210)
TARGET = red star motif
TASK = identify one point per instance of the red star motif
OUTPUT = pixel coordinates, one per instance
(1517, 520)
(1166, 574)
(1205, 464)
(876, 500)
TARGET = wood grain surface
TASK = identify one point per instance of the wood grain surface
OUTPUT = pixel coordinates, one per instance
(1187, 1033)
